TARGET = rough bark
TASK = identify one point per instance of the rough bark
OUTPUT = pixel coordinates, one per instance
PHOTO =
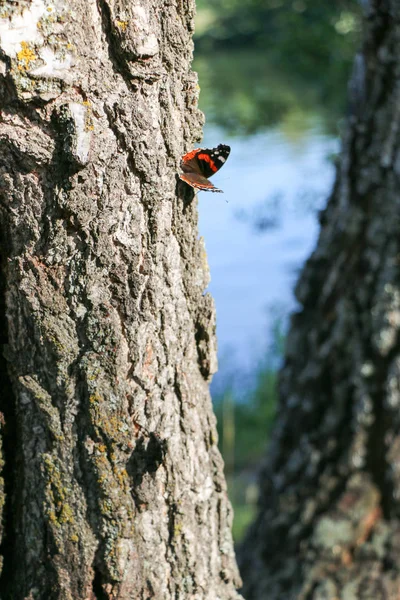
(113, 481)
(329, 512)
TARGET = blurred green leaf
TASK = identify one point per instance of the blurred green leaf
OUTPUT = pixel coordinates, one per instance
(263, 63)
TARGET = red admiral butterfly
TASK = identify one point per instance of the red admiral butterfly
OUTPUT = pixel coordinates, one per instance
(198, 165)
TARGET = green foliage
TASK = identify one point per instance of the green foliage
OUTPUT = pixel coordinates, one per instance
(256, 94)
(263, 63)
(299, 27)
(244, 420)
(244, 425)
(244, 508)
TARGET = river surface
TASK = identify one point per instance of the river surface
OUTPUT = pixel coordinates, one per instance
(260, 231)
(279, 174)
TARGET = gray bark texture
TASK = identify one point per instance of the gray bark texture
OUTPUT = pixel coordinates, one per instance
(328, 525)
(113, 483)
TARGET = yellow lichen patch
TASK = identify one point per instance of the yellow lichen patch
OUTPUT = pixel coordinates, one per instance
(59, 511)
(109, 425)
(89, 124)
(121, 25)
(25, 56)
(52, 517)
(88, 116)
(66, 515)
(106, 507)
(95, 398)
(101, 461)
(74, 538)
(178, 529)
(123, 478)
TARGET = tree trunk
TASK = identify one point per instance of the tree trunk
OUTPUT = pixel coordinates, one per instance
(113, 481)
(329, 512)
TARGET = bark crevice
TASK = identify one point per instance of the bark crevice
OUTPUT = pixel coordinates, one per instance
(97, 586)
(8, 449)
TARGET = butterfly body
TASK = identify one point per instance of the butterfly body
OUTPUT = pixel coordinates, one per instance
(200, 164)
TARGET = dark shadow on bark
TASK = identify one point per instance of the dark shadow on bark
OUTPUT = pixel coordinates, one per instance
(146, 458)
(10, 444)
(98, 591)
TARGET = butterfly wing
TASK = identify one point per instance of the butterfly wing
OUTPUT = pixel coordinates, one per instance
(200, 164)
(212, 159)
(198, 182)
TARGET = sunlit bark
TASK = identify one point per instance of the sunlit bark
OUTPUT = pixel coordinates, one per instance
(113, 480)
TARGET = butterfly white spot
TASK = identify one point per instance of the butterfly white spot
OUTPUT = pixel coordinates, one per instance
(221, 158)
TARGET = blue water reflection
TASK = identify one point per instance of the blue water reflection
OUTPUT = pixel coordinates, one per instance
(252, 271)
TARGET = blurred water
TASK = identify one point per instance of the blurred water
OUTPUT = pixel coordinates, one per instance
(252, 270)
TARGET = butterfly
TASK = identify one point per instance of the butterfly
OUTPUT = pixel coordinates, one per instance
(199, 164)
